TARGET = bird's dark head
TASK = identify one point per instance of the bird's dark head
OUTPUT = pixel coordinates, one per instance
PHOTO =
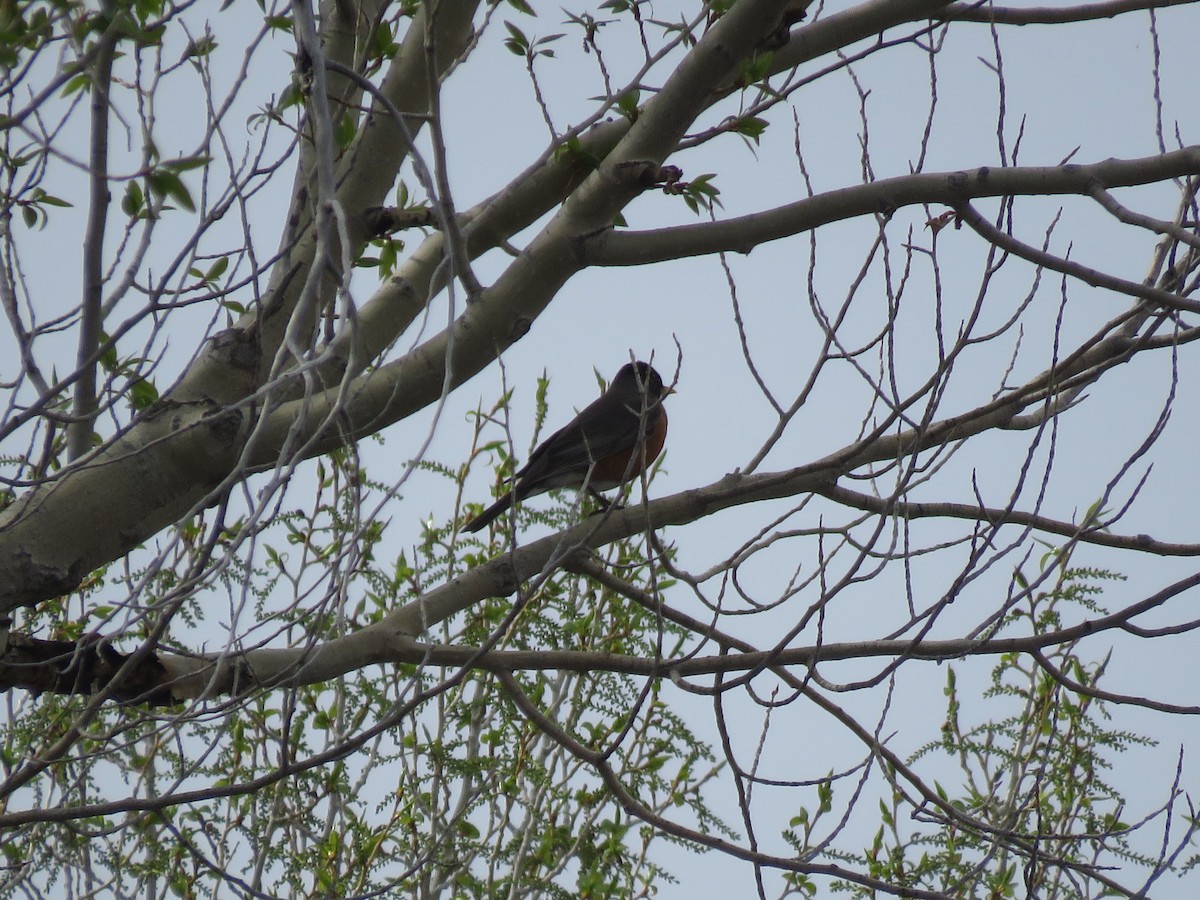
(641, 377)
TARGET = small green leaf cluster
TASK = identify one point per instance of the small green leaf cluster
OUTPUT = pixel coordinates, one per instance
(1033, 772)
(530, 48)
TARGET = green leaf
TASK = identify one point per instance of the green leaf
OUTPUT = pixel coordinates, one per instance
(145, 9)
(165, 183)
(40, 196)
(108, 359)
(200, 47)
(389, 255)
(142, 394)
(627, 105)
(134, 200)
(825, 795)
(74, 85)
(217, 269)
(1021, 580)
(186, 163)
(467, 830)
(343, 132)
(751, 127)
(516, 42)
(384, 41)
(756, 67)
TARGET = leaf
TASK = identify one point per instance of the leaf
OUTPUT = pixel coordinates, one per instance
(627, 104)
(134, 200)
(200, 47)
(384, 41)
(147, 8)
(517, 43)
(756, 68)
(343, 132)
(108, 358)
(165, 183)
(40, 196)
(142, 394)
(185, 163)
(76, 84)
(751, 127)
(388, 256)
(1021, 580)
(217, 269)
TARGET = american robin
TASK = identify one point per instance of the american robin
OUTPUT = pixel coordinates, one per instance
(610, 442)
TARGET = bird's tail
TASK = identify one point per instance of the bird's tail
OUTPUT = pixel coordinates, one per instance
(489, 515)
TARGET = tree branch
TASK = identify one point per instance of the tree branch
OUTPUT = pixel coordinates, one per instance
(1086, 274)
(1051, 15)
(79, 431)
(742, 234)
(1085, 534)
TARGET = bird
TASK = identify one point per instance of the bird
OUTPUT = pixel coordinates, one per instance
(611, 442)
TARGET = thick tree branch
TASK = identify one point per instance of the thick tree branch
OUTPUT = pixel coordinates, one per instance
(1052, 15)
(47, 567)
(504, 312)
(365, 173)
(87, 666)
(294, 684)
(742, 234)
(168, 462)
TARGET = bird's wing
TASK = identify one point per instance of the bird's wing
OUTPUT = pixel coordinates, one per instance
(600, 430)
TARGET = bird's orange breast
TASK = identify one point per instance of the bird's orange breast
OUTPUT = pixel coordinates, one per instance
(625, 465)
